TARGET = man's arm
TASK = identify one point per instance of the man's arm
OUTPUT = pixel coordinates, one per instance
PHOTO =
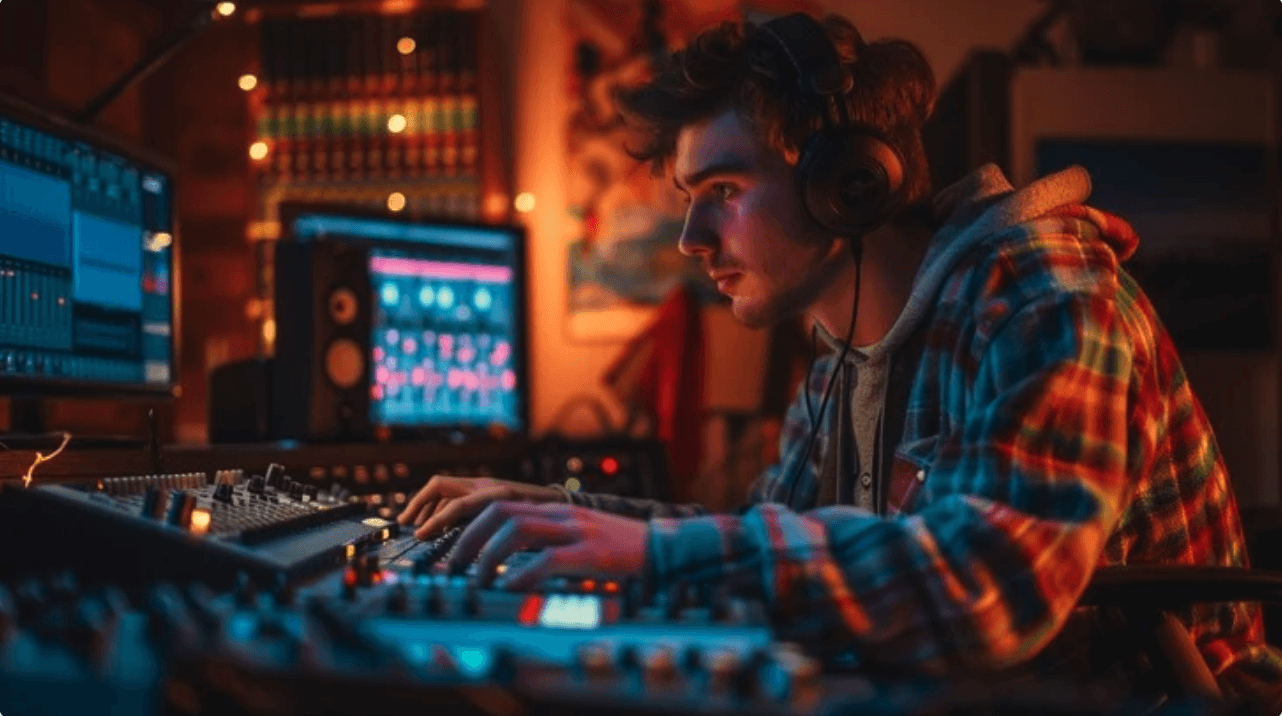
(1020, 500)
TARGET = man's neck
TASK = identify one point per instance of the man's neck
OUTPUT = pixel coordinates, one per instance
(891, 258)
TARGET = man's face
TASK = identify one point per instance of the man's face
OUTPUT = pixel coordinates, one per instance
(746, 222)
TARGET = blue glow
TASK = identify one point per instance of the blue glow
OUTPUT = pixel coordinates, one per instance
(482, 299)
(313, 226)
(391, 294)
(472, 661)
(445, 296)
(426, 296)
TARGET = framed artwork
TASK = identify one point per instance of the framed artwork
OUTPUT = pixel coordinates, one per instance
(622, 223)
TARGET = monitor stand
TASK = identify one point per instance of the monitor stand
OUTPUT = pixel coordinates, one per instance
(29, 430)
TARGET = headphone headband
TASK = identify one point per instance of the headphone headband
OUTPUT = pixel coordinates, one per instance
(851, 176)
(819, 72)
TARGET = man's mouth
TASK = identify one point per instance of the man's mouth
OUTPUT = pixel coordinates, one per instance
(726, 281)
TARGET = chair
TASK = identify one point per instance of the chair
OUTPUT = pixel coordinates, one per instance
(1146, 595)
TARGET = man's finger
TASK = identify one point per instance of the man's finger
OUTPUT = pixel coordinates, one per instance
(431, 491)
(458, 509)
(518, 533)
(430, 509)
(491, 519)
(571, 559)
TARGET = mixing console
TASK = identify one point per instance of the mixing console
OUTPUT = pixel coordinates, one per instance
(233, 594)
(185, 649)
(187, 525)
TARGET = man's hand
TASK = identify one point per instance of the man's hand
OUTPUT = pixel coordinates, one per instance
(573, 540)
(445, 500)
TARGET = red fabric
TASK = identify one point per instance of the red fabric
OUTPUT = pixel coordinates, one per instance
(661, 372)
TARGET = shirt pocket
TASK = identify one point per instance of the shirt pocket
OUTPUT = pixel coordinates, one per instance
(909, 475)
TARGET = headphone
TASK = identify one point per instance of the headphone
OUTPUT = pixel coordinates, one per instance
(851, 175)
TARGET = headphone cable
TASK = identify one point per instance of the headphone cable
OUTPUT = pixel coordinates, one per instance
(856, 248)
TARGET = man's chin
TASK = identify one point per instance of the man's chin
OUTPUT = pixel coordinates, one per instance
(752, 315)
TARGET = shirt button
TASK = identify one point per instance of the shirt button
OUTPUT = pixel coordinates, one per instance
(866, 479)
(921, 476)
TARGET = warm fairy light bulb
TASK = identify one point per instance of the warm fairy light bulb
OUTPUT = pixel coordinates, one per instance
(524, 202)
(258, 151)
(247, 82)
(226, 9)
(396, 201)
(396, 123)
(406, 45)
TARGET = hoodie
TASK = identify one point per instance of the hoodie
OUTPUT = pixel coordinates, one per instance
(1036, 423)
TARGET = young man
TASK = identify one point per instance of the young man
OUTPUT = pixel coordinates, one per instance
(1008, 412)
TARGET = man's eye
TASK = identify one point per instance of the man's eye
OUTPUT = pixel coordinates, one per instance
(724, 191)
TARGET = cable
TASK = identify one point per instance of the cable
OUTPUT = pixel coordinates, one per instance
(41, 457)
(857, 249)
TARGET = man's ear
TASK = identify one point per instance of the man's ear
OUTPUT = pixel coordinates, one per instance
(838, 249)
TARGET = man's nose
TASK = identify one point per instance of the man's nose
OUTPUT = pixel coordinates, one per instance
(698, 238)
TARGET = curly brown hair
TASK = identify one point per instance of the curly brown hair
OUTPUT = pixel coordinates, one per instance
(894, 92)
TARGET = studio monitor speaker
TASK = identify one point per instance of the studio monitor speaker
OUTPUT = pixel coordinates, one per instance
(321, 380)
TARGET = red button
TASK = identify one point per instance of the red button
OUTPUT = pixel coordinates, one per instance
(609, 465)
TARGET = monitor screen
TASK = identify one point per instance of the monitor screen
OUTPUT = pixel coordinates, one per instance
(447, 341)
(86, 260)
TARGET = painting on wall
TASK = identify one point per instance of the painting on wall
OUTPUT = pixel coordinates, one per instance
(622, 223)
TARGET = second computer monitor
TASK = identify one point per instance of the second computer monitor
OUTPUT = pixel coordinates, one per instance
(447, 331)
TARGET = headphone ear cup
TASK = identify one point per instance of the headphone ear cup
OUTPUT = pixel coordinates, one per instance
(851, 180)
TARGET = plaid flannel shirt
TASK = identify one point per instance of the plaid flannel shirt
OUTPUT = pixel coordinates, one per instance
(1049, 429)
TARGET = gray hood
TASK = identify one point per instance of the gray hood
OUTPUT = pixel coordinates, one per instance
(976, 208)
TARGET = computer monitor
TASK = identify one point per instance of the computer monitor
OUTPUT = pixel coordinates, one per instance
(447, 342)
(87, 262)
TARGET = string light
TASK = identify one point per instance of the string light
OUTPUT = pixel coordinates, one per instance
(258, 151)
(524, 202)
(41, 457)
(247, 82)
(226, 9)
(406, 45)
(396, 123)
(396, 201)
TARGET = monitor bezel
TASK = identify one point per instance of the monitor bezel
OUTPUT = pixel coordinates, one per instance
(289, 211)
(46, 387)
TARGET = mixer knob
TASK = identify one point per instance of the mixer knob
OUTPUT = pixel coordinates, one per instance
(398, 602)
(154, 502)
(286, 483)
(658, 665)
(167, 616)
(31, 599)
(89, 630)
(256, 485)
(296, 490)
(275, 472)
(721, 666)
(310, 492)
(435, 601)
(368, 570)
(224, 492)
(246, 594)
(792, 675)
(63, 587)
(200, 600)
(282, 590)
(596, 661)
(180, 509)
